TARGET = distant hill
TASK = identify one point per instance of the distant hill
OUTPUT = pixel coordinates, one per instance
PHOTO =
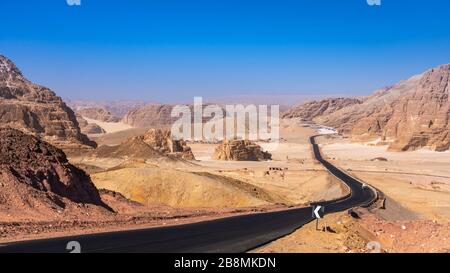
(99, 114)
(151, 116)
(118, 108)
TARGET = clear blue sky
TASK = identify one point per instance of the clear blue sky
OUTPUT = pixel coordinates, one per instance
(174, 49)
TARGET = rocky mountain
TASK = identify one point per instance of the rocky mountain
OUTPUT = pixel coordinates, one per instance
(412, 114)
(240, 150)
(37, 110)
(419, 118)
(156, 115)
(345, 119)
(310, 110)
(35, 175)
(99, 114)
(150, 116)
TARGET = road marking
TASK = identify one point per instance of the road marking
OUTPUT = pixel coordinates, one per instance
(317, 211)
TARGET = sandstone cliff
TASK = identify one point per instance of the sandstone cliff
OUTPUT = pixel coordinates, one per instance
(151, 116)
(310, 110)
(345, 119)
(37, 110)
(412, 114)
(420, 118)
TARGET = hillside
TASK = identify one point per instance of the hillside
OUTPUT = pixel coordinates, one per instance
(37, 181)
(37, 110)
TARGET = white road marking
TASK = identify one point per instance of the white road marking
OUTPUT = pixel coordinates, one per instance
(316, 212)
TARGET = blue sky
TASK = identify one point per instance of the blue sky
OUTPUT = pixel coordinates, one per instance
(173, 50)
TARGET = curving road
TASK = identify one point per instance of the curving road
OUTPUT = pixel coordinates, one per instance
(232, 234)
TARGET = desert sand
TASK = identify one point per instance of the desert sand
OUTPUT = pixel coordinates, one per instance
(110, 127)
(418, 180)
(296, 179)
(338, 233)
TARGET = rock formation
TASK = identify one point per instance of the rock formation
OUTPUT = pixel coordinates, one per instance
(154, 144)
(310, 110)
(99, 114)
(162, 141)
(37, 110)
(345, 119)
(240, 150)
(151, 116)
(419, 119)
(33, 172)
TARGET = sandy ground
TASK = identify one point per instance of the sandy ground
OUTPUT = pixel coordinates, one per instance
(418, 180)
(154, 185)
(337, 233)
(300, 180)
(110, 127)
(115, 138)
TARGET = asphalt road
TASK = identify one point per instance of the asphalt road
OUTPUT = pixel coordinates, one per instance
(233, 234)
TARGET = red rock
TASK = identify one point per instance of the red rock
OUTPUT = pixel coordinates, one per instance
(33, 171)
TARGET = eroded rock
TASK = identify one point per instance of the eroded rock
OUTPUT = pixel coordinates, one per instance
(37, 110)
(240, 150)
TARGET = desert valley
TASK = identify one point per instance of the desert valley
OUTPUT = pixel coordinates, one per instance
(71, 167)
